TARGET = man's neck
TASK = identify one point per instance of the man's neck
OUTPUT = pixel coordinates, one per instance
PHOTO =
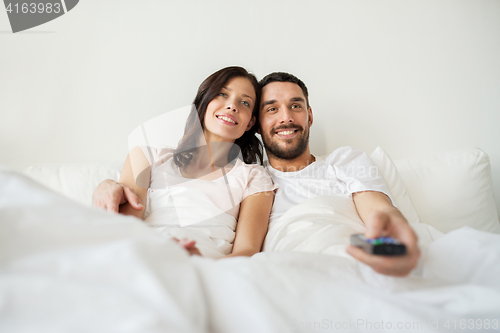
(292, 165)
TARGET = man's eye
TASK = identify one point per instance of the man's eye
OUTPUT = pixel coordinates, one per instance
(295, 106)
(271, 109)
(222, 94)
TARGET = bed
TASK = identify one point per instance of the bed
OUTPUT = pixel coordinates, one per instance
(68, 267)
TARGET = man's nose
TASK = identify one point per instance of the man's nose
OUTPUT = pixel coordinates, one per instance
(286, 116)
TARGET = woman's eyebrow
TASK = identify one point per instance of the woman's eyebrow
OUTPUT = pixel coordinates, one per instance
(241, 95)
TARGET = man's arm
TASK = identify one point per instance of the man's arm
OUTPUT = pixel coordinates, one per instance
(110, 195)
(382, 219)
(136, 166)
(126, 197)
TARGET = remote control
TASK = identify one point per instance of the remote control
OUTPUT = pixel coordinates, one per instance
(385, 246)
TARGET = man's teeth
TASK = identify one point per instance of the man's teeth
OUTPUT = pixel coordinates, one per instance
(286, 132)
(226, 119)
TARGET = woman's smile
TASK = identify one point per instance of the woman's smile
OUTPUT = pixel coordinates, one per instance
(227, 119)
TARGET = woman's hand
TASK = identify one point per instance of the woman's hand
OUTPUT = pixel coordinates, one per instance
(188, 245)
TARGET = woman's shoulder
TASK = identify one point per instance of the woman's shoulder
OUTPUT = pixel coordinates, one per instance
(252, 171)
(251, 167)
(157, 154)
(257, 178)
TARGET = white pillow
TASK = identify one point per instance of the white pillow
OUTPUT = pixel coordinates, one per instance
(75, 180)
(452, 189)
(396, 186)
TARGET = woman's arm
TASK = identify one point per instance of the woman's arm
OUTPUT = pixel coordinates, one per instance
(135, 175)
(252, 224)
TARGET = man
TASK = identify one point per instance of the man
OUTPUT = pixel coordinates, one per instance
(285, 121)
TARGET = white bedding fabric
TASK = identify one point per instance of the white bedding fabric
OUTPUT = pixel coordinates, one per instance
(324, 224)
(69, 268)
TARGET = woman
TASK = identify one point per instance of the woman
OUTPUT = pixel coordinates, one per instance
(211, 189)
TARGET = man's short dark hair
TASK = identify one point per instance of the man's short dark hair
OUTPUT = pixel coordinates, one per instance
(285, 77)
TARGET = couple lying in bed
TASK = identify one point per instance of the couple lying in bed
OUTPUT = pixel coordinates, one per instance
(212, 193)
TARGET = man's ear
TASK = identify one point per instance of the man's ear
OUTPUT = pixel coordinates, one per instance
(251, 123)
(310, 113)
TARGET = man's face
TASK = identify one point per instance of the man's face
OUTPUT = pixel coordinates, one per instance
(284, 120)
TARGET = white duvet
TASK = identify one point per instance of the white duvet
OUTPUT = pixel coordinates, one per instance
(324, 224)
(68, 268)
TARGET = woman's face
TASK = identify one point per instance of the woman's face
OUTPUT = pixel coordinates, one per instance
(229, 114)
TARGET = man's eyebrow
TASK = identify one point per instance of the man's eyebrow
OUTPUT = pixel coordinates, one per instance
(298, 99)
(245, 95)
(272, 101)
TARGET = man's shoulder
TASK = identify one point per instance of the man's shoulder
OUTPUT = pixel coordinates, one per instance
(336, 152)
(348, 155)
(341, 151)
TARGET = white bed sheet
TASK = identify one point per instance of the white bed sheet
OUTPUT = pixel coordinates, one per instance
(69, 268)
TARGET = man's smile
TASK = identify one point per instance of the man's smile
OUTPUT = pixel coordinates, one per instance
(287, 132)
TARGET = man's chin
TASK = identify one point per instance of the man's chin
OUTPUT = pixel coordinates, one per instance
(287, 148)
(283, 151)
(282, 145)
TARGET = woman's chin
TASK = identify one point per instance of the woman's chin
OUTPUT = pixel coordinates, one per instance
(223, 136)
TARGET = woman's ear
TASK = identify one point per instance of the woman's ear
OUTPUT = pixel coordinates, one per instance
(251, 123)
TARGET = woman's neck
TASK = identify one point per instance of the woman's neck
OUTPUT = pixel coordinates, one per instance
(212, 153)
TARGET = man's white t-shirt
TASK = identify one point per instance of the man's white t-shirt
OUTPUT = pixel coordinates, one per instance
(345, 171)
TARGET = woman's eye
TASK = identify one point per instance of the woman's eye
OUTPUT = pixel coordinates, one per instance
(245, 103)
(222, 94)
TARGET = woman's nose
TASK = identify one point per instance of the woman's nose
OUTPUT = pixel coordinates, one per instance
(232, 106)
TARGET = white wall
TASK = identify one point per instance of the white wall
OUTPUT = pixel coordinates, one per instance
(411, 76)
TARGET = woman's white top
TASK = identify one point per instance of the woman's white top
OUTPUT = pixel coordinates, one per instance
(202, 210)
